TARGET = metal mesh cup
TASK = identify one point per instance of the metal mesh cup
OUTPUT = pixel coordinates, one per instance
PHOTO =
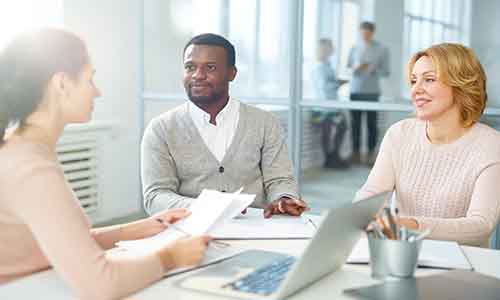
(393, 258)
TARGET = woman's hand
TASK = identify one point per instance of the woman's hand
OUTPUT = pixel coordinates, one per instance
(153, 225)
(409, 223)
(184, 252)
(170, 216)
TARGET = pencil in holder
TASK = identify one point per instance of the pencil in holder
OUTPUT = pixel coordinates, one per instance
(393, 258)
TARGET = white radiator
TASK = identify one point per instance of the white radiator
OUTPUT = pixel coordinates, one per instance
(80, 154)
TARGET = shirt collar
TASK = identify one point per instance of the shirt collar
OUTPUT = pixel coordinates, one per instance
(202, 118)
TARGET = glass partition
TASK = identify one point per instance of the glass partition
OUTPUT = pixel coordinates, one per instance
(258, 29)
(263, 34)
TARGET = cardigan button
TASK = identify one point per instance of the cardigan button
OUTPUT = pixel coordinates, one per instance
(221, 169)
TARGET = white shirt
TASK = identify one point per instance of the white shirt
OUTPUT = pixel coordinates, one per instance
(218, 137)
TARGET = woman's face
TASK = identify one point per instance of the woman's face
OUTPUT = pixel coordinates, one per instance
(432, 98)
(81, 94)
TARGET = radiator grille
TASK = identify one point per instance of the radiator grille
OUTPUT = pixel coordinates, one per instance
(79, 157)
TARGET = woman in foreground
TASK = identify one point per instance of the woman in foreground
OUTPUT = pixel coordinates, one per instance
(46, 83)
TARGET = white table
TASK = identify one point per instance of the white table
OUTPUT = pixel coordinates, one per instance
(47, 285)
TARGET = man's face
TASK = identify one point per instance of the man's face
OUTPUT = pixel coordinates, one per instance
(367, 35)
(206, 73)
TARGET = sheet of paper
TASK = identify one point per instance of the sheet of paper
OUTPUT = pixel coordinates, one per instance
(213, 254)
(151, 244)
(205, 211)
(238, 203)
(210, 207)
(434, 254)
(253, 225)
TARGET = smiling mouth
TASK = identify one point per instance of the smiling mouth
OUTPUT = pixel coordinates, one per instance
(199, 85)
(421, 102)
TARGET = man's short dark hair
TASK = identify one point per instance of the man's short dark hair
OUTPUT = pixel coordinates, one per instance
(370, 26)
(211, 39)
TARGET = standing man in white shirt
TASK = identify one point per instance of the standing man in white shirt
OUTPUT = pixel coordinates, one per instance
(213, 141)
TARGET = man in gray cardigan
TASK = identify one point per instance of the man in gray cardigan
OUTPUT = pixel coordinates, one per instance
(216, 142)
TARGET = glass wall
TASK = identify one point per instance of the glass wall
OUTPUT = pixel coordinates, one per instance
(258, 29)
(264, 34)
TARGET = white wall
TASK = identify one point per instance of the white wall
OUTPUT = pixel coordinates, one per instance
(112, 32)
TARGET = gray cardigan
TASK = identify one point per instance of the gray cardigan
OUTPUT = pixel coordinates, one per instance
(176, 164)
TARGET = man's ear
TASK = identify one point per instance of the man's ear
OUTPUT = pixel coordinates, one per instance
(232, 73)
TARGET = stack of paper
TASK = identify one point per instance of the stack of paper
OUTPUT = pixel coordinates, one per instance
(434, 254)
(253, 225)
(209, 208)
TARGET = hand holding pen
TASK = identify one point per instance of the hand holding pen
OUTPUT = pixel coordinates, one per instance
(389, 225)
(187, 234)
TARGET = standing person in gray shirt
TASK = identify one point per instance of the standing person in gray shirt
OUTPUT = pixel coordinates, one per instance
(216, 142)
(369, 61)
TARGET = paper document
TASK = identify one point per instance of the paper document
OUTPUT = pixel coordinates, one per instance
(209, 208)
(253, 225)
(434, 254)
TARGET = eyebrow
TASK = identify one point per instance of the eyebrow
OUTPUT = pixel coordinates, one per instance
(425, 73)
(205, 62)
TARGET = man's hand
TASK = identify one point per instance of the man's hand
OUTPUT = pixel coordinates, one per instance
(285, 205)
(362, 67)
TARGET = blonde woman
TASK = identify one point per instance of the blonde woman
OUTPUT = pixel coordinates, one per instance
(444, 164)
(45, 83)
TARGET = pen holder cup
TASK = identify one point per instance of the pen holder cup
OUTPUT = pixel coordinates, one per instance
(393, 258)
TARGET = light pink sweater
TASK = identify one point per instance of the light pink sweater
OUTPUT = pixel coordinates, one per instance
(454, 189)
(42, 225)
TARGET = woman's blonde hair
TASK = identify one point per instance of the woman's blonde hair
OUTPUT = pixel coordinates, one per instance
(458, 67)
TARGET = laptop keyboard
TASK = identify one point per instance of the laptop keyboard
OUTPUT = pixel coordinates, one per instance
(266, 279)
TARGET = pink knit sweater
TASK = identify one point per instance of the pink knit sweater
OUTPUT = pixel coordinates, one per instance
(454, 189)
(42, 226)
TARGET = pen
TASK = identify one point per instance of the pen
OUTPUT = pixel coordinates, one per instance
(385, 229)
(420, 236)
(392, 223)
(177, 228)
(376, 226)
(311, 222)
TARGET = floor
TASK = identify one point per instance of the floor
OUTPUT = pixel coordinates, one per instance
(328, 188)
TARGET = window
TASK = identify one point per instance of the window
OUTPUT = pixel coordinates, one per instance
(259, 30)
(337, 20)
(429, 22)
(22, 15)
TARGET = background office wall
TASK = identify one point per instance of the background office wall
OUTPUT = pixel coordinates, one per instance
(485, 40)
(389, 22)
(111, 30)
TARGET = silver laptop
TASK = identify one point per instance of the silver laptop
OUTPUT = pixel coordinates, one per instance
(264, 274)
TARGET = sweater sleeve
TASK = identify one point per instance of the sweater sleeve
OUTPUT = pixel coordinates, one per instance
(160, 183)
(276, 166)
(48, 207)
(382, 176)
(481, 218)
